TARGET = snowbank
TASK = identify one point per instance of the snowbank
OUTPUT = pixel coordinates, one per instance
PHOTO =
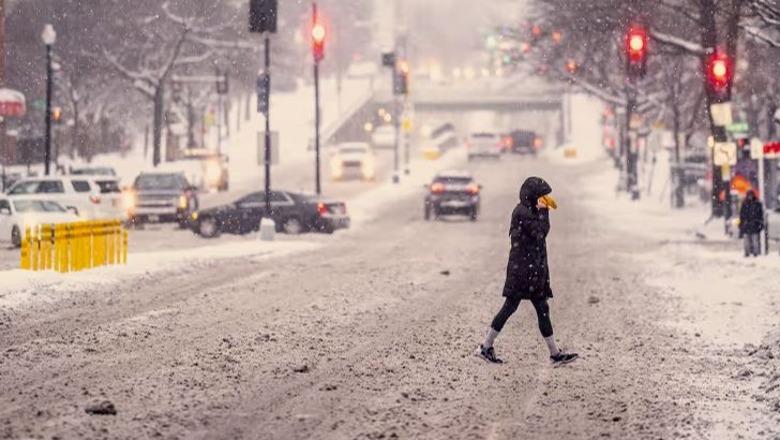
(20, 287)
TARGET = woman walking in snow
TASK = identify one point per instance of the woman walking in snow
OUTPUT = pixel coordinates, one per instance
(527, 273)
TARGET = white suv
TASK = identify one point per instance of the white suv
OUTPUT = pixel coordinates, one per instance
(79, 194)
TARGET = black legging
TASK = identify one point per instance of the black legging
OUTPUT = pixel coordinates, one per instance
(510, 306)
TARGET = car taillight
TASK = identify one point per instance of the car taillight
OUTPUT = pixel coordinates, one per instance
(538, 143)
(182, 201)
(322, 208)
(94, 199)
(437, 188)
(473, 188)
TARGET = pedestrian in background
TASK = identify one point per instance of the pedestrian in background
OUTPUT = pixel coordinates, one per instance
(527, 272)
(751, 223)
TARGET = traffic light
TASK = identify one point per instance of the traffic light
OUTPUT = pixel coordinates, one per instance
(56, 115)
(719, 74)
(401, 79)
(636, 51)
(262, 16)
(571, 66)
(318, 41)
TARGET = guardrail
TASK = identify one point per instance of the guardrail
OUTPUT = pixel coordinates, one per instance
(72, 247)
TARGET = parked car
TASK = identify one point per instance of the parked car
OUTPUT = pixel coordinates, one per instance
(92, 171)
(484, 145)
(111, 203)
(79, 193)
(293, 213)
(452, 192)
(19, 213)
(161, 197)
(353, 159)
(525, 142)
(383, 137)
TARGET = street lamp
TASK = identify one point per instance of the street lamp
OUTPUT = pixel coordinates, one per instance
(49, 37)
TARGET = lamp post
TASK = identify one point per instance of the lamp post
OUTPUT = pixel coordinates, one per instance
(49, 37)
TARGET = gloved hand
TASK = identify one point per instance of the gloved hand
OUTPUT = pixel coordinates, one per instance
(548, 201)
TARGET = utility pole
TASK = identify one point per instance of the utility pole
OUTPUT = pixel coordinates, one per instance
(318, 53)
(49, 37)
(636, 67)
(262, 19)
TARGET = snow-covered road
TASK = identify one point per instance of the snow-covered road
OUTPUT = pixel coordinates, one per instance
(370, 336)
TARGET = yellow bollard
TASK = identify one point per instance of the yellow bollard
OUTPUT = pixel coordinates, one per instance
(35, 247)
(25, 258)
(45, 247)
(124, 246)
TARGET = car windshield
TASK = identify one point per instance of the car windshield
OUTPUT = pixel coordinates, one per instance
(353, 150)
(453, 180)
(97, 171)
(38, 206)
(108, 186)
(159, 181)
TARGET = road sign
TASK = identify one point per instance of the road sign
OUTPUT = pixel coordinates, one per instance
(725, 153)
(756, 149)
(274, 148)
(738, 127)
(721, 114)
(772, 150)
(12, 103)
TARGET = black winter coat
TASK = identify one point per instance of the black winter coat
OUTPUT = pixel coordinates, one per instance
(751, 216)
(527, 273)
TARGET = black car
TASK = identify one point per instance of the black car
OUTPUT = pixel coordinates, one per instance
(525, 142)
(293, 213)
(161, 197)
(452, 192)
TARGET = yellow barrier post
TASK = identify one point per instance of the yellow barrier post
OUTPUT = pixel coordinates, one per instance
(46, 247)
(25, 258)
(35, 246)
(124, 246)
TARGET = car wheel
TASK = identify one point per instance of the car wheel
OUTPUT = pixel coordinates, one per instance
(16, 237)
(208, 228)
(292, 226)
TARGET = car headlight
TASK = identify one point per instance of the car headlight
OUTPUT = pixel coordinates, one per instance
(182, 201)
(128, 200)
(213, 173)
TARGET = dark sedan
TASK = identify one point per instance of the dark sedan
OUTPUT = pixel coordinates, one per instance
(452, 192)
(293, 213)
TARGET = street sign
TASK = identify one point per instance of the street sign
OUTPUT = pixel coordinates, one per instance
(738, 127)
(721, 114)
(772, 150)
(724, 153)
(274, 148)
(12, 103)
(756, 149)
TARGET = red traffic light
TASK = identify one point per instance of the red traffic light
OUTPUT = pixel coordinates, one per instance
(636, 45)
(571, 67)
(719, 72)
(318, 34)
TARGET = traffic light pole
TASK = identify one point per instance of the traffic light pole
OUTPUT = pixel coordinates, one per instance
(268, 128)
(317, 122)
(397, 124)
(47, 138)
(632, 178)
(317, 127)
